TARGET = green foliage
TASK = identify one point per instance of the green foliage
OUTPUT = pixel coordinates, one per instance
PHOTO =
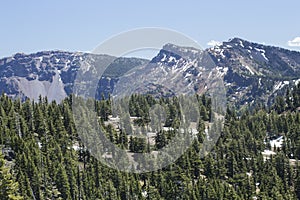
(48, 160)
(8, 186)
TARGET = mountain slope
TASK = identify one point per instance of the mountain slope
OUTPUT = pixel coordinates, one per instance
(252, 73)
(256, 72)
(52, 73)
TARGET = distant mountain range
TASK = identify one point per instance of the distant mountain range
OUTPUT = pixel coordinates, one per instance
(252, 73)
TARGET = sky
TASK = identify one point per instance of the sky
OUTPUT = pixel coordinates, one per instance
(32, 26)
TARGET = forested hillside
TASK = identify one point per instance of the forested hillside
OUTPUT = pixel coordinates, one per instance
(256, 156)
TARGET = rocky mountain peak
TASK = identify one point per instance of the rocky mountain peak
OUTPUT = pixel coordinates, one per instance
(252, 72)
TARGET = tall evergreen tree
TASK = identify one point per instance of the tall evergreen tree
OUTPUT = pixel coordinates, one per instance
(9, 188)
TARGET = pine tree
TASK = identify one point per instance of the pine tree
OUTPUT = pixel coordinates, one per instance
(62, 183)
(8, 186)
(297, 184)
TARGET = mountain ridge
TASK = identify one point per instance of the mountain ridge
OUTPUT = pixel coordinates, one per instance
(252, 72)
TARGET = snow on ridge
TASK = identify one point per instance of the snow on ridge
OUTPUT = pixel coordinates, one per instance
(280, 85)
(296, 81)
(277, 86)
(194, 51)
(222, 53)
(263, 55)
(286, 82)
(171, 58)
(164, 58)
(249, 69)
(241, 44)
(217, 49)
(221, 71)
(260, 50)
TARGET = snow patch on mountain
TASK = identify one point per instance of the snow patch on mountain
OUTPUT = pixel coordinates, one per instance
(260, 50)
(296, 81)
(279, 85)
(249, 69)
(263, 55)
(241, 44)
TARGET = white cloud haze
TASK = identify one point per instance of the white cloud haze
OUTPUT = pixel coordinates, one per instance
(214, 43)
(295, 42)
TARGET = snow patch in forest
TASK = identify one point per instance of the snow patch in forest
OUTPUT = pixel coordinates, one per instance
(277, 143)
(268, 153)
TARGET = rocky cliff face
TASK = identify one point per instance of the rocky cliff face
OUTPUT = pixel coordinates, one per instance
(256, 73)
(52, 73)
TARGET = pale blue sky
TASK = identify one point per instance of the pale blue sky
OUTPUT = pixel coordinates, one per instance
(31, 26)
